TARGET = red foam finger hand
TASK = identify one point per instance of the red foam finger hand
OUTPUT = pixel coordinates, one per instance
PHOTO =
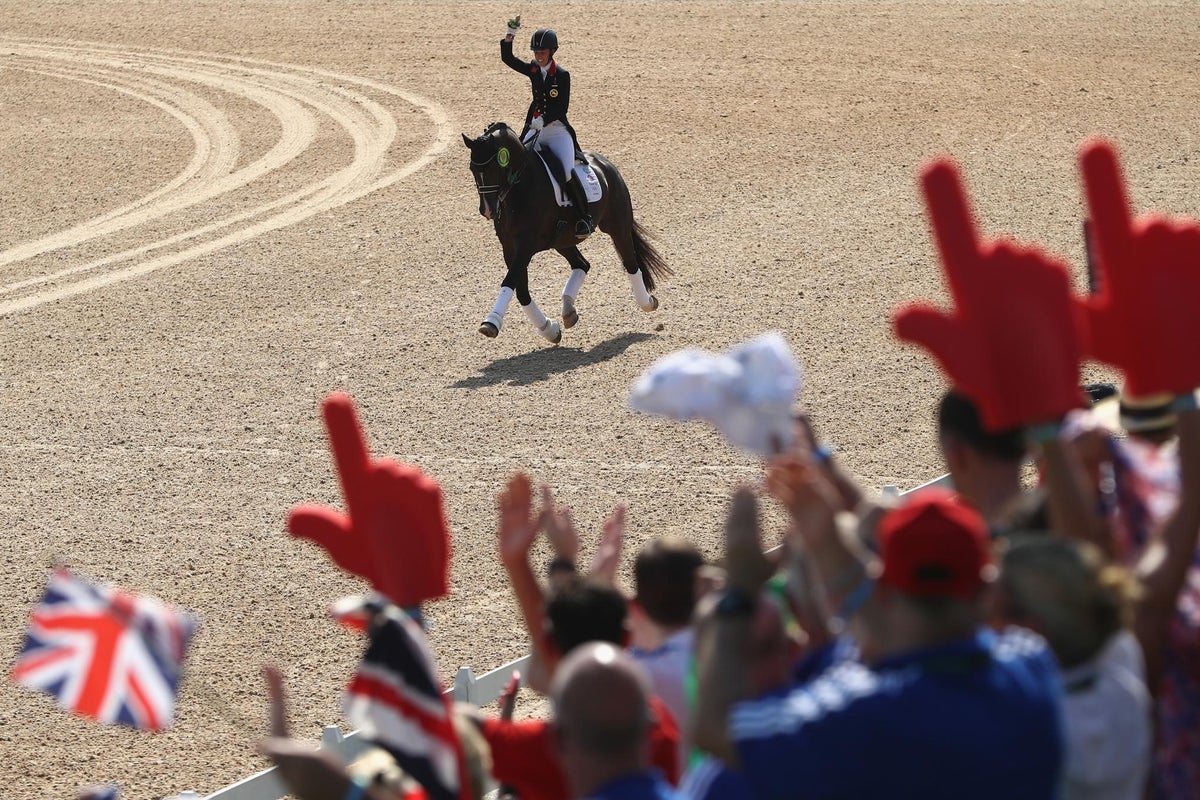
(1143, 318)
(1012, 343)
(408, 534)
(395, 534)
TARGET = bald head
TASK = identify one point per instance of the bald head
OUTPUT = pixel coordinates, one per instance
(600, 703)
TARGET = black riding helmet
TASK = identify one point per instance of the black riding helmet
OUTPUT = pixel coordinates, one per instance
(543, 39)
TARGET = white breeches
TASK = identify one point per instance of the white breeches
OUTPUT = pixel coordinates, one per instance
(557, 139)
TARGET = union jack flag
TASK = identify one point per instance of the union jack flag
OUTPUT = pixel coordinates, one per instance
(105, 653)
(395, 701)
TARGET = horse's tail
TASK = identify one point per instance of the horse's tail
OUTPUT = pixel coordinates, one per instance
(649, 262)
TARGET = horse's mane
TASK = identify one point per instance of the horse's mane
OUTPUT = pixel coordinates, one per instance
(495, 126)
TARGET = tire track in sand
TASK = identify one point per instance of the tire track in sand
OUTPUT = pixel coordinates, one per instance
(298, 98)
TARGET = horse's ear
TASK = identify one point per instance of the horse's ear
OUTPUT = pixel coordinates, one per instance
(466, 140)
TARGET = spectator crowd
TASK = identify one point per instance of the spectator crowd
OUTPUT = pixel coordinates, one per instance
(1011, 637)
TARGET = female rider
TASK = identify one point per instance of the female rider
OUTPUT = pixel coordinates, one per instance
(547, 115)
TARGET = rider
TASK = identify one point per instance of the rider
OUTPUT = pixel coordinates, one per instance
(547, 115)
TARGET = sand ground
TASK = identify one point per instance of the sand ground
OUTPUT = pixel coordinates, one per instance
(213, 213)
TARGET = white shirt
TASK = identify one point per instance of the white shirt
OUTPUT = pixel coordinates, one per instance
(668, 665)
(1107, 712)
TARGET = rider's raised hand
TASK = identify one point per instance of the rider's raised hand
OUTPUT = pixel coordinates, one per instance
(1143, 319)
(1011, 343)
(394, 532)
(514, 25)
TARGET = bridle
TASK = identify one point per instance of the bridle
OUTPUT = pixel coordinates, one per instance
(501, 190)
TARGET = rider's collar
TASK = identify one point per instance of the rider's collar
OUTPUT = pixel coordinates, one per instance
(550, 69)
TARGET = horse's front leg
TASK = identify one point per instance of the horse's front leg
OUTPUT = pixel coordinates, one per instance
(579, 271)
(490, 327)
(516, 281)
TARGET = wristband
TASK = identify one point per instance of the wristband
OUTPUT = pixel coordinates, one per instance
(1041, 434)
(358, 788)
(854, 601)
(736, 605)
(822, 453)
(1184, 402)
(415, 614)
(560, 565)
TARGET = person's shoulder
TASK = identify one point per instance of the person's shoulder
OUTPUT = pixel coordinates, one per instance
(847, 688)
(1014, 645)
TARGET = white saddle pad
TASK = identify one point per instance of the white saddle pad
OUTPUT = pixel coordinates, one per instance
(583, 172)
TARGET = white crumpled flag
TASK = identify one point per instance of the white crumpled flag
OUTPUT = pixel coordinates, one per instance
(747, 393)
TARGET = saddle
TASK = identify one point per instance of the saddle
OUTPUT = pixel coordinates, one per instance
(584, 173)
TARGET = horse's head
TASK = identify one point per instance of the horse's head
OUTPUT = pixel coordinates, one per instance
(497, 158)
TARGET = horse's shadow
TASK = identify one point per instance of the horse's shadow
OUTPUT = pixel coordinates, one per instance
(538, 365)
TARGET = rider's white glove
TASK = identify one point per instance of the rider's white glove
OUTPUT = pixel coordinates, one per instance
(514, 25)
(511, 31)
(537, 123)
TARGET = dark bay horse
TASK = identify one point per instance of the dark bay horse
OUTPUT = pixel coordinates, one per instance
(517, 195)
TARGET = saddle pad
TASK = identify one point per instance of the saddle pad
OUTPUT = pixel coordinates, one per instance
(583, 172)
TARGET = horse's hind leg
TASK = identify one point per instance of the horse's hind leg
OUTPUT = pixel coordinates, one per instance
(579, 271)
(623, 241)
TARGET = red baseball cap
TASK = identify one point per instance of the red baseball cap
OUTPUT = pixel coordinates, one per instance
(934, 546)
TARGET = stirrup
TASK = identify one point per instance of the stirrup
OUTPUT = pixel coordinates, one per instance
(585, 228)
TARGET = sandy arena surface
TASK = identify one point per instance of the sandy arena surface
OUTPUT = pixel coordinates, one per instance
(215, 212)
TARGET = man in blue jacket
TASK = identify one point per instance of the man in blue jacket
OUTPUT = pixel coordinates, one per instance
(936, 706)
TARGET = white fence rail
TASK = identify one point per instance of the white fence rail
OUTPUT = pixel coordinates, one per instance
(467, 688)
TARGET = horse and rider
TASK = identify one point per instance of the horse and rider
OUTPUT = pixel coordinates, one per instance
(516, 191)
(546, 120)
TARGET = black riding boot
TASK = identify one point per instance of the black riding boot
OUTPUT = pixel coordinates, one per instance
(585, 227)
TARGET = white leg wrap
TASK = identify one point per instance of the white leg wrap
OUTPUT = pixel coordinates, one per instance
(640, 295)
(502, 301)
(535, 315)
(574, 283)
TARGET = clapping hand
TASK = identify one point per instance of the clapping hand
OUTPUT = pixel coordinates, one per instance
(508, 697)
(809, 498)
(607, 557)
(1143, 319)
(559, 527)
(1011, 343)
(518, 525)
(394, 532)
(746, 567)
(309, 773)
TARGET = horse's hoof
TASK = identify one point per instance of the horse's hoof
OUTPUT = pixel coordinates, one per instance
(569, 315)
(551, 332)
(653, 305)
(489, 330)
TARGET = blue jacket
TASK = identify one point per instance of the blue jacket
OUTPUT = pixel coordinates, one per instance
(980, 718)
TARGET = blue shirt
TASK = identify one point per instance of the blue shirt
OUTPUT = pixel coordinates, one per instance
(643, 786)
(979, 718)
